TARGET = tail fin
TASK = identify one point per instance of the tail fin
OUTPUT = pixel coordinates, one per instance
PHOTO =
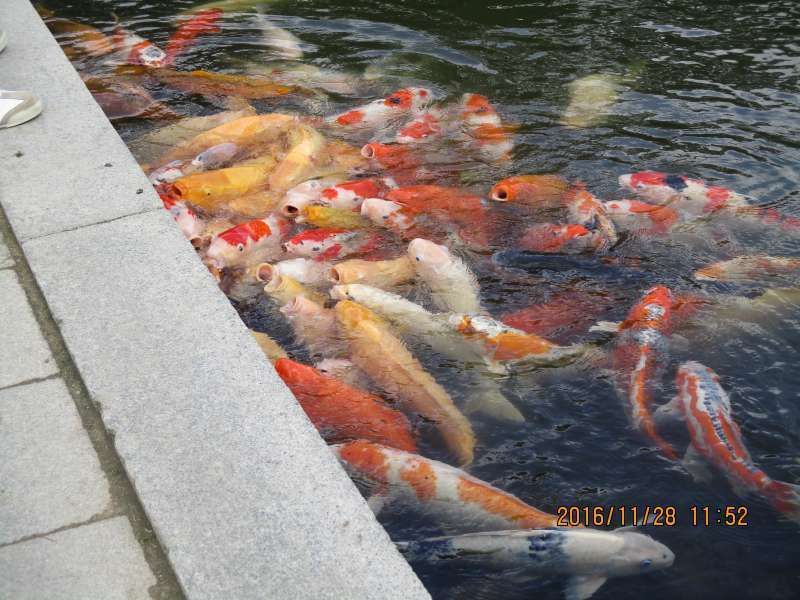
(785, 498)
(487, 398)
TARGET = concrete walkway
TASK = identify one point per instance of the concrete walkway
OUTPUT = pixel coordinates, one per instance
(62, 492)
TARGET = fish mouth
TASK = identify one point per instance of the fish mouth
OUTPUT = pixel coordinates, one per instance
(368, 151)
(500, 195)
(265, 272)
(334, 275)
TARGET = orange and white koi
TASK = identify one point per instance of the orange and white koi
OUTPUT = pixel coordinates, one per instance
(567, 239)
(716, 438)
(135, 50)
(453, 285)
(484, 128)
(190, 224)
(349, 195)
(380, 112)
(639, 356)
(388, 214)
(587, 209)
(694, 196)
(451, 496)
(248, 243)
(329, 244)
(634, 215)
(749, 268)
(507, 345)
(422, 128)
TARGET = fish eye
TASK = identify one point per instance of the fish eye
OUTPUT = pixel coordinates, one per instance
(385, 217)
(240, 247)
(646, 563)
(639, 185)
(394, 100)
(417, 258)
(315, 249)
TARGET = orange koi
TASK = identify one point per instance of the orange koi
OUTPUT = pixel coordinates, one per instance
(543, 191)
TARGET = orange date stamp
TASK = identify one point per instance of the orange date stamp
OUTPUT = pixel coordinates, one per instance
(651, 516)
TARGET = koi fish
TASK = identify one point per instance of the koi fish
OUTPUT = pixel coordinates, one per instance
(214, 190)
(452, 496)
(749, 269)
(411, 319)
(251, 242)
(544, 191)
(341, 412)
(377, 352)
(215, 157)
(349, 195)
(640, 355)
(484, 129)
(567, 239)
(172, 171)
(304, 270)
(78, 40)
(335, 218)
(379, 112)
(716, 439)
(587, 209)
(388, 214)
(135, 50)
(422, 128)
(304, 194)
(633, 215)
(505, 344)
(590, 100)
(698, 197)
(283, 289)
(328, 244)
(453, 286)
(391, 156)
(343, 370)
(376, 273)
(284, 44)
(204, 22)
(190, 224)
(314, 326)
(588, 557)
(271, 349)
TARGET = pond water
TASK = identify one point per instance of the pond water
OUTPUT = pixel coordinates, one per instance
(707, 91)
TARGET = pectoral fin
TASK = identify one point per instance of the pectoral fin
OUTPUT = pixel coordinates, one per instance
(490, 401)
(582, 587)
(668, 412)
(696, 466)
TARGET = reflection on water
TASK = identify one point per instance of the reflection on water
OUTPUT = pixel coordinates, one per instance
(709, 92)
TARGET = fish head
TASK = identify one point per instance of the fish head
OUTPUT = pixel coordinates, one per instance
(384, 213)
(638, 554)
(389, 155)
(215, 157)
(301, 307)
(314, 242)
(477, 110)
(349, 314)
(653, 311)
(533, 189)
(145, 53)
(429, 255)
(408, 99)
(228, 249)
(341, 292)
(655, 185)
(302, 195)
(551, 237)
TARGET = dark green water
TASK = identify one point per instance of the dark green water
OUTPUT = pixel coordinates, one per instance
(711, 91)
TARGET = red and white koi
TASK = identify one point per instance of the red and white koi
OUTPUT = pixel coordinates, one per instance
(638, 357)
(422, 128)
(303, 194)
(380, 112)
(190, 224)
(351, 194)
(484, 128)
(133, 49)
(694, 196)
(587, 209)
(634, 215)
(716, 438)
(172, 171)
(330, 244)
(453, 497)
(387, 214)
(567, 239)
(248, 243)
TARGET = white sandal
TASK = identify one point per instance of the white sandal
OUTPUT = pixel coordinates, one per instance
(18, 107)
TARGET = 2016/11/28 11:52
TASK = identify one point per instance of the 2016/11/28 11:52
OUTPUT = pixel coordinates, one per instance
(654, 516)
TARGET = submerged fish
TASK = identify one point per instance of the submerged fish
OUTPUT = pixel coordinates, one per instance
(543, 191)
(284, 44)
(451, 496)
(484, 129)
(567, 239)
(380, 112)
(133, 49)
(642, 217)
(376, 351)
(692, 195)
(184, 36)
(341, 412)
(716, 439)
(587, 209)
(590, 100)
(587, 556)
(77, 40)
(639, 357)
(248, 243)
(453, 286)
(744, 269)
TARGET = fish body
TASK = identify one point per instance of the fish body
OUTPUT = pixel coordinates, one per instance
(715, 436)
(190, 224)
(380, 112)
(587, 209)
(639, 356)
(568, 239)
(306, 153)
(284, 44)
(377, 273)
(212, 84)
(388, 215)
(342, 412)
(693, 196)
(590, 100)
(744, 269)
(329, 217)
(248, 243)
(304, 194)
(329, 244)
(133, 49)
(184, 36)
(79, 40)
(314, 326)
(505, 344)
(634, 215)
(349, 195)
(543, 191)
(587, 556)
(377, 352)
(453, 286)
(452, 496)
